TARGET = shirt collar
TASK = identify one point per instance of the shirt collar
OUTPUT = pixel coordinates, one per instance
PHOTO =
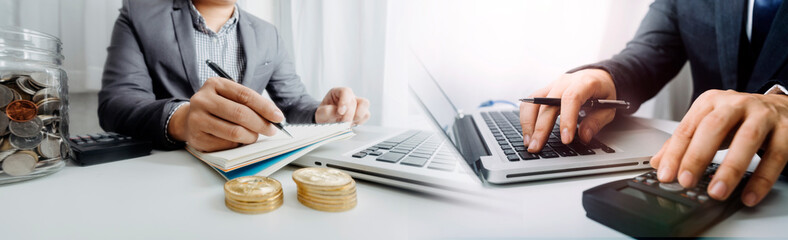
(200, 25)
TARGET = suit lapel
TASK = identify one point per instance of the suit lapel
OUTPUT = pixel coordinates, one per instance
(182, 23)
(250, 48)
(728, 18)
(774, 52)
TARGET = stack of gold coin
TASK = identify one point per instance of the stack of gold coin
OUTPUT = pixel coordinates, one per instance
(325, 189)
(253, 194)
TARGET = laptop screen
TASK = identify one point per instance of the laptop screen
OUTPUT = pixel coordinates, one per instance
(432, 97)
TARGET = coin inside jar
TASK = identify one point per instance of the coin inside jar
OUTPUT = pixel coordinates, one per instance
(26, 129)
(49, 146)
(48, 106)
(17, 96)
(37, 83)
(20, 163)
(26, 142)
(5, 153)
(65, 151)
(4, 77)
(43, 94)
(21, 110)
(23, 82)
(4, 121)
(5, 145)
(6, 96)
(47, 119)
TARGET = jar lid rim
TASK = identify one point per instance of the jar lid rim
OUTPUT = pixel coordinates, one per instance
(20, 30)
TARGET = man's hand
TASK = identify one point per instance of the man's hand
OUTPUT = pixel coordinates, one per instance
(223, 114)
(341, 105)
(574, 90)
(755, 121)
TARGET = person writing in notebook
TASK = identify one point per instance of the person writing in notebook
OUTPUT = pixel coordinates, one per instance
(157, 86)
(739, 62)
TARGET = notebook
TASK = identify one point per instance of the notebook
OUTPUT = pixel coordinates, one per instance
(267, 167)
(269, 147)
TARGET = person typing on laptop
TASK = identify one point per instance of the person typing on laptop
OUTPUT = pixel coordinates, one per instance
(157, 86)
(739, 65)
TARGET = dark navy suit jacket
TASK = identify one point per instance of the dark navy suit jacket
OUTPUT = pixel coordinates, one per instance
(710, 35)
(707, 33)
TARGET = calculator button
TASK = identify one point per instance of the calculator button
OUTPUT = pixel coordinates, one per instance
(671, 187)
(651, 182)
(692, 194)
(703, 198)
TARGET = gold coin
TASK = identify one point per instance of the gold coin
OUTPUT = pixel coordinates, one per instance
(323, 178)
(252, 210)
(345, 190)
(327, 194)
(329, 201)
(328, 208)
(253, 205)
(252, 188)
(327, 197)
(256, 203)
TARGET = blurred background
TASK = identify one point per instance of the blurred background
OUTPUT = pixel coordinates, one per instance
(478, 50)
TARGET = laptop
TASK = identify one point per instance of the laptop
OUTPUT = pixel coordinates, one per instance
(481, 147)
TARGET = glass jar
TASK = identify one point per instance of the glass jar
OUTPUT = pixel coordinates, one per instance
(33, 105)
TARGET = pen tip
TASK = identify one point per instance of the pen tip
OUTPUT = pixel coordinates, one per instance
(286, 132)
(526, 100)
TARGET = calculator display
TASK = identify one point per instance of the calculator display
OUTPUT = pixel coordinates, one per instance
(664, 203)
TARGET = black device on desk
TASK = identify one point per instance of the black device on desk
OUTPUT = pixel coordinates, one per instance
(644, 207)
(106, 147)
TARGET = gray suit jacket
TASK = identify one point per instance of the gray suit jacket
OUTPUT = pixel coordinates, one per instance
(707, 33)
(151, 68)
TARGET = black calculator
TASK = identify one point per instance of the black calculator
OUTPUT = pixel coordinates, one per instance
(91, 149)
(644, 207)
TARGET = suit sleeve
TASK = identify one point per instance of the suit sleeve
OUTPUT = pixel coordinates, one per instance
(127, 104)
(650, 60)
(287, 90)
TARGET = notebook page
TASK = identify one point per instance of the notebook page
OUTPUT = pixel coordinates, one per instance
(300, 132)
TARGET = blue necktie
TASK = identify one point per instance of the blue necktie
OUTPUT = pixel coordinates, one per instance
(763, 12)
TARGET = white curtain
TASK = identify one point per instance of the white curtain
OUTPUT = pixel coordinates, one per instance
(84, 27)
(342, 43)
(478, 49)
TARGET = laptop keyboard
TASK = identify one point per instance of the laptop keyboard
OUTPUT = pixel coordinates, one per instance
(428, 150)
(415, 149)
(505, 127)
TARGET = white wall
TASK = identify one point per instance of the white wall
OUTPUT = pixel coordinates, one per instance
(506, 49)
(478, 49)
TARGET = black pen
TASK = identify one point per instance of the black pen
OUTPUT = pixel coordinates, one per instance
(591, 103)
(224, 74)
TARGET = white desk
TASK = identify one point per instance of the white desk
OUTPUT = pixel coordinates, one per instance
(172, 195)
